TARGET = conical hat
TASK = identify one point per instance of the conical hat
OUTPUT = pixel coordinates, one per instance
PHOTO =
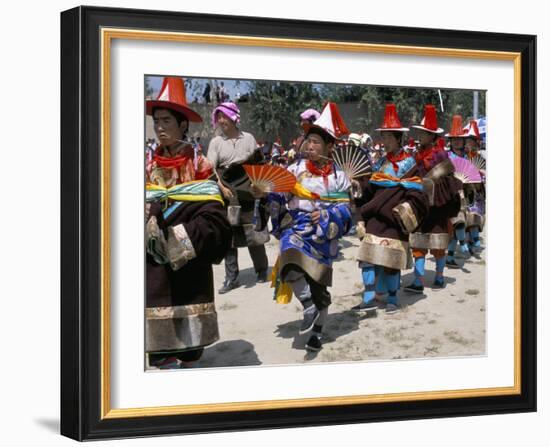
(429, 122)
(471, 130)
(456, 128)
(172, 96)
(391, 120)
(330, 121)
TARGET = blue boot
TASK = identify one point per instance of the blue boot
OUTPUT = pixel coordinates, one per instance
(417, 285)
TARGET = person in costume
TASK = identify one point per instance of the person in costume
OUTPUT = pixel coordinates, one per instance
(292, 153)
(474, 193)
(307, 118)
(473, 139)
(186, 232)
(228, 152)
(457, 140)
(395, 205)
(309, 222)
(442, 189)
(175, 160)
(376, 152)
(411, 147)
(363, 142)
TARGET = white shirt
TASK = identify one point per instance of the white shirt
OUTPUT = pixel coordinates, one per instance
(338, 182)
(224, 151)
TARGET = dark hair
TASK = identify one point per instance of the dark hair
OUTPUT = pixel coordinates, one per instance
(462, 147)
(434, 136)
(457, 138)
(398, 134)
(180, 117)
(323, 134)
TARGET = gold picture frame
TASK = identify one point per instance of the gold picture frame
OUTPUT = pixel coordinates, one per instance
(90, 393)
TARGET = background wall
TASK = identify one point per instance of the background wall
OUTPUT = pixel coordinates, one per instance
(29, 277)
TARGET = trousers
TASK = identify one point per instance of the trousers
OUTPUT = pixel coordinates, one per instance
(259, 259)
(305, 287)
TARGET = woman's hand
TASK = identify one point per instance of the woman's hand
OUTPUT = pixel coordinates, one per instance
(315, 216)
(356, 190)
(361, 230)
(226, 192)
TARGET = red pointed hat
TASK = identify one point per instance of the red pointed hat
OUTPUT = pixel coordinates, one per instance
(172, 96)
(471, 130)
(429, 122)
(456, 128)
(330, 121)
(391, 120)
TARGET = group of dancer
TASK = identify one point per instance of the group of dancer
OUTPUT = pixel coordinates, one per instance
(201, 209)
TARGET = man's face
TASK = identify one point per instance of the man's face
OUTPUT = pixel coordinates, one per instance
(457, 144)
(166, 127)
(391, 143)
(225, 123)
(425, 138)
(314, 147)
(471, 144)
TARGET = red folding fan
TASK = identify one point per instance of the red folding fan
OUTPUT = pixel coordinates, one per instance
(270, 178)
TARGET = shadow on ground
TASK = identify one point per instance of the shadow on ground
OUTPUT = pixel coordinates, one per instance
(247, 277)
(336, 325)
(229, 353)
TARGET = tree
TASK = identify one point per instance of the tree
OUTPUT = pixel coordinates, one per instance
(275, 107)
(148, 88)
(410, 103)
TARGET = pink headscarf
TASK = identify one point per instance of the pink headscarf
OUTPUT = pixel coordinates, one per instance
(310, 115)
(229, 109)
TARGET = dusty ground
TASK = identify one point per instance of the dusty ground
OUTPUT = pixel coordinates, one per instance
(256, 330)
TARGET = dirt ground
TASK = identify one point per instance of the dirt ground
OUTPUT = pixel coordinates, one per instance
(255, 330)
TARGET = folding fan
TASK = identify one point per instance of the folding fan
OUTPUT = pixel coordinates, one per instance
(465, 171)
(270, 178)
(479, 162)
(352, 160)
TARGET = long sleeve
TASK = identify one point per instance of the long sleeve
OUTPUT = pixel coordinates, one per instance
(386, 206)
(278, 212)
(410, 213)
(334, 222)
(446, 191)
(210, 232)
(205, 237)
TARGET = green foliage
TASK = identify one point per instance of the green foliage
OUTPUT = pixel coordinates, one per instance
(148, 88)
(371, 100)
(275, 107)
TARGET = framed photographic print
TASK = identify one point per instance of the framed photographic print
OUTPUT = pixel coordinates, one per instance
(379, 182)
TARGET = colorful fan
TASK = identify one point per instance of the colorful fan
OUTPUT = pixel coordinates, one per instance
(465, 171)
(352, 160)
(479, 162)
(270, 178)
